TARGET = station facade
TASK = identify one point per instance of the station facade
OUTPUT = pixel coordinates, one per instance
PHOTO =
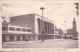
(29, 27)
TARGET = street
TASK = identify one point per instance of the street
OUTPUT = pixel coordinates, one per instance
(55, 43)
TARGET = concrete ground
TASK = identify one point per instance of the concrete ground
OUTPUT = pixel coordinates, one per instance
(55, 43)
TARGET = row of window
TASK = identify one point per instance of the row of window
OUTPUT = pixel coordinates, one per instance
(17, 29)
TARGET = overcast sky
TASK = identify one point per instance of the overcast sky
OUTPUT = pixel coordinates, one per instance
(57, 11)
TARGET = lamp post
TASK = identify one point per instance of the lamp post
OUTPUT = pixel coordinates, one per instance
(42, 27)
(65, 29)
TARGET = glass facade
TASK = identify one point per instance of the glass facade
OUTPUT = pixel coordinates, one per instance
(12, 28)
(48, 27)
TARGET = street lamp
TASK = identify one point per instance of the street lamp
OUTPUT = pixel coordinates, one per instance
(42, 27)
(65, 29)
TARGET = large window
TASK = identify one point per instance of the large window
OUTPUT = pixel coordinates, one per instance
(24, 38)
(12, 28)
(39, 24)
(11, 38)
(18, 38)
(4, 38)
(18, 29)
(28, 30)
(4, 28)
(23, 29)
(45, 27)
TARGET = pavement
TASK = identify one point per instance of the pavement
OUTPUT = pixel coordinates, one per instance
(52, 43)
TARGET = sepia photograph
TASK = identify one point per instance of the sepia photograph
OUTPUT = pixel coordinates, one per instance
(39, 24)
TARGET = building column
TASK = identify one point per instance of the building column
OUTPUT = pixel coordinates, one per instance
(26, 37)
(40, 26)
(8, 38)
(52, 28)
(14, 38)
(20, 38)
(47, 27)
(44, 27)
(54, 37)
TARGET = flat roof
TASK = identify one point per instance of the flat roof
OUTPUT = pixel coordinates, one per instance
(33, 14)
